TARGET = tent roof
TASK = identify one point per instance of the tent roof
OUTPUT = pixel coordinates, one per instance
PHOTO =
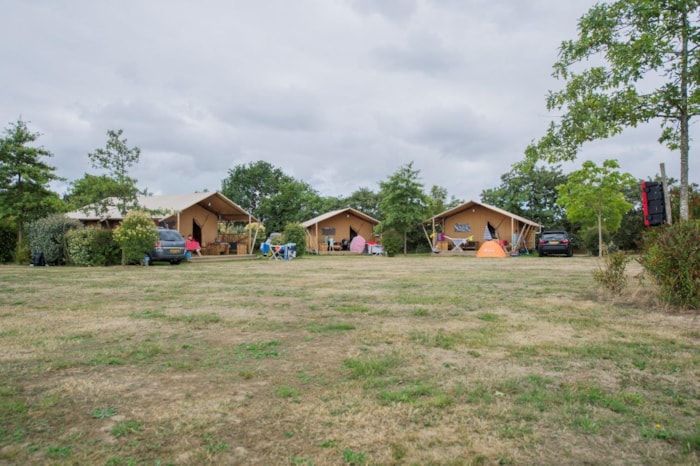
(167, 206)
(470, 204)
(334, 213)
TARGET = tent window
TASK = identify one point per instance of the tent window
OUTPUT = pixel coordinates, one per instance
(463, 227)
(328, 231)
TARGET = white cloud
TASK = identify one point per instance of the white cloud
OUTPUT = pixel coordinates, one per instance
(339, 94)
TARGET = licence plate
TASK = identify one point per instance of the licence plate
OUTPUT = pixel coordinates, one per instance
(554, 242)
(175, 251)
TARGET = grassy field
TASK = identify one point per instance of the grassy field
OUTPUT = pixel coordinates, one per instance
(344, 360)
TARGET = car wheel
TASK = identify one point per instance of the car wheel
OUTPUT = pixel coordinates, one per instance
(569, 252)
(540, 253)
(175, 261)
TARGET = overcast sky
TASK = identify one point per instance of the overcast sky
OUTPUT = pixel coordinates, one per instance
(337, 93)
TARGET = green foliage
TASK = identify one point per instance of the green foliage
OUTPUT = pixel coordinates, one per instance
(295, 233)
(364, 200)
(594, 196)
(48, 236)
(634, 61)
(116, 158)
(671, 255)
(612, 274)
(403, 203)
(91, 190)
(135, 236)
(92, 246)
(392, 241)
(272, 196)
(25, 178)
(8, 241)
(22, 254)
(589, 239)
(530, 191)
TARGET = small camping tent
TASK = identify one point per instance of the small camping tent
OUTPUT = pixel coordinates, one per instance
(491, 248)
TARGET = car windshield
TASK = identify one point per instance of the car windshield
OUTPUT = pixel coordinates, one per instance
(170, 235)
(554, 235)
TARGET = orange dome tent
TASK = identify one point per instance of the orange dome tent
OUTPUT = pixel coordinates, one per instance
(491, 248)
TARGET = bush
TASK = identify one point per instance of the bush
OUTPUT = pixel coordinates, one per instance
(295, 233)
(93, 246)
(8, 242)
(612, 275)
(48, 237)
(671, 256)
(392, 241)
(135, 236)
(589, 239)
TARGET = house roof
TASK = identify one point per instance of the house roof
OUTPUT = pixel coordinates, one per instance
(166, 206)
(471, 204)
(334, 213)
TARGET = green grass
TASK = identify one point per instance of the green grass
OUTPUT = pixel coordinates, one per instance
(343, 360)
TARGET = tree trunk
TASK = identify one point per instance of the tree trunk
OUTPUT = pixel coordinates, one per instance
(600, 235)
(684, 118)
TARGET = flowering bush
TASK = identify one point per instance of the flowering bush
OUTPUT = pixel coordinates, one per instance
(136, 236)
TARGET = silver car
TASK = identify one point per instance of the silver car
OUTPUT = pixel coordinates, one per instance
(170, 247)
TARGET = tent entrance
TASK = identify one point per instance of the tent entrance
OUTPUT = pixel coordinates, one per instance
(196, 232)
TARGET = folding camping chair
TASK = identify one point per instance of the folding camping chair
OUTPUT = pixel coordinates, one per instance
(457, 242)
(276, 252)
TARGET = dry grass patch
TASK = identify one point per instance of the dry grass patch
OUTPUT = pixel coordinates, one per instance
(343, 360)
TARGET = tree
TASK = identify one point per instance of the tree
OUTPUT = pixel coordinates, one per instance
(403, 203)
(365, 200)
(530, 190)
(25, 178)
(116, 158)
(437, 201)
(650, 70)
(294, 202)
(594, 196)
(248, 185)
(271, 195)
(91, 190)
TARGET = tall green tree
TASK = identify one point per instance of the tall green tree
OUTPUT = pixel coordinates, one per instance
(271, 195)
(91, 190)
(403, 202)
(634, 61)
(365, 200)
(294, 202)
(116, 158)
(594, 196)
(25, 178)
(530, 190)
(247, 185)
(437, 201)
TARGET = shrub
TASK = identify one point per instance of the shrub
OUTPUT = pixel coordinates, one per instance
(612, 275)
(8, 241)
(392, 241)
(671, 256)
(589, 239)
(295, 233)
(135, 236)
(48, 236)
(92, 246)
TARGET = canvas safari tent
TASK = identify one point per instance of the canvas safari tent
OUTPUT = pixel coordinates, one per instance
(470, 225)
(196, 214)
(338, 228)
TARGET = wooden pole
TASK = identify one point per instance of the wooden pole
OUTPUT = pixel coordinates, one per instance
(667, 194)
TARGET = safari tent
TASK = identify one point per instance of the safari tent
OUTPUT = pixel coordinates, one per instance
(470, 225)
(197, 214)
(336, 229)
